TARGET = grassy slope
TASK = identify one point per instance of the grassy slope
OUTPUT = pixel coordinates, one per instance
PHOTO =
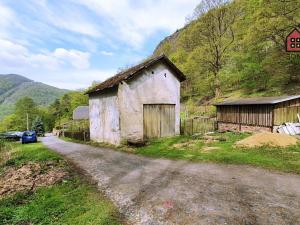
(74, 201)
(283, 159)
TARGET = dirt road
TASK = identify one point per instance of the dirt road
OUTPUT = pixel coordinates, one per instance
(159, 191)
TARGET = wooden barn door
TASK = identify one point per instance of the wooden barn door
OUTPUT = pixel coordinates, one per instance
(159, 120)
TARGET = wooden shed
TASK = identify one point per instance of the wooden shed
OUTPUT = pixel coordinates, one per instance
(257, 114)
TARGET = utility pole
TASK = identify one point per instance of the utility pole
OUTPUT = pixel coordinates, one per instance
(27, 122)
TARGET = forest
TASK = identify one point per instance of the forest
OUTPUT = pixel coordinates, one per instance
(56, 114)
(232, 49)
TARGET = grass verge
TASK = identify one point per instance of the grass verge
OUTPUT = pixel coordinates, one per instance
(74, 200)
(224, 151)
(197, 149)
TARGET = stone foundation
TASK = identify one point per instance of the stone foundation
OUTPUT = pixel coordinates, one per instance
(243, 128)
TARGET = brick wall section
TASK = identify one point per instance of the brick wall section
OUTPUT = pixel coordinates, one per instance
(244, 128)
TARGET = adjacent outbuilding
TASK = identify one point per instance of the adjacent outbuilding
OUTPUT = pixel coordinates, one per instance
(139, 103)
(257, 114)
(81, 113)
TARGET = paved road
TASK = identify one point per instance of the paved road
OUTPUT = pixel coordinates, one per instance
(158, 191)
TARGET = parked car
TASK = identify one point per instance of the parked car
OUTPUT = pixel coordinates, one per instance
(29, 137)
(11, 136)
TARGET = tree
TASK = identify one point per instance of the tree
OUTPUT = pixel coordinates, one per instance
(38, 126)
(23, 108)
(217, 35)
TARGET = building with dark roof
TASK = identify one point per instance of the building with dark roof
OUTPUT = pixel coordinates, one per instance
(81, 113)
(257, 114)
(138, 103)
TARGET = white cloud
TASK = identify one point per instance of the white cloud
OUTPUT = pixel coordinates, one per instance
(63, 16)
(77, 59)
(41, 38)
(107, 53)
(7, 20)
(15, 55)
(134, 21)
(73, 79)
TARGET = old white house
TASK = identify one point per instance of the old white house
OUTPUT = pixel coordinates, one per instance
(139, 103)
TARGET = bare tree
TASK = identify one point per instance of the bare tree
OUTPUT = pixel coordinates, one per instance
(203, 7)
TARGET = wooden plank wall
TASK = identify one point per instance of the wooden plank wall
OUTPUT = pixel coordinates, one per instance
(159, 120)
(199, 125)
(286, 112)
(256, 115)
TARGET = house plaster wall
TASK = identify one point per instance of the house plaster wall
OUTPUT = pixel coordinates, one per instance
(155, 85)
(104, 118)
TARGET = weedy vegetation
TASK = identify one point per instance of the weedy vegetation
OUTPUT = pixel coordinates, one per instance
(72, 200)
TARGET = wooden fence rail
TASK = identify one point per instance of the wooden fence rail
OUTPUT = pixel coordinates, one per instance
(79, 135)
(197, 125)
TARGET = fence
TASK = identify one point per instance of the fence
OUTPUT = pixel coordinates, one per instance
(198, 125)
(77, 135)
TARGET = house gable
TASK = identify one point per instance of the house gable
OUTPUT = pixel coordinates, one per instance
(134, 71)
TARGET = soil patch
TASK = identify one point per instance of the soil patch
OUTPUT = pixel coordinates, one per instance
(272, 139)
(210, 149)
(185, 144)
(28, 177)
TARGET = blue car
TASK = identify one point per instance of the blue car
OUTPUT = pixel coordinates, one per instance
(29, 137)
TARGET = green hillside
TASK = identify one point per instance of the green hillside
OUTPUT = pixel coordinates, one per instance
(235, 49)
(13, 87)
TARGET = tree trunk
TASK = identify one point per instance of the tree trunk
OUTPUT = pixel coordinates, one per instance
(217, 87)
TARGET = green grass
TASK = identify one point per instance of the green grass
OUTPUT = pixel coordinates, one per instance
(31, 152)
(73, 201)
(283, 159)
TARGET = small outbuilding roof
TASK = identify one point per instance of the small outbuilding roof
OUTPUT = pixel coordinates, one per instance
(129, 73)
(259, 100)
(81, 113)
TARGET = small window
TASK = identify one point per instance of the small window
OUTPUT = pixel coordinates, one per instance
(293, 40)
(165, 75)
(298, 39)
(152, 72)
(298, 45)
(293, 45)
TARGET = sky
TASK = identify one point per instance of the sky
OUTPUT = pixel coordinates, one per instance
(71, 43)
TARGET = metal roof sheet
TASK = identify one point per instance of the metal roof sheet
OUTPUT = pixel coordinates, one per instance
(259, 100)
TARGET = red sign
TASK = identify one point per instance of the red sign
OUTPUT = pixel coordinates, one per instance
(293, 41)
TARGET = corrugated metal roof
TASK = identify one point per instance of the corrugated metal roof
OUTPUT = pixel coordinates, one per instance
(127, 74)
(259, 100)
(81, 113)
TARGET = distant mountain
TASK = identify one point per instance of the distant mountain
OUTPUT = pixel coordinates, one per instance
(13, 87)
